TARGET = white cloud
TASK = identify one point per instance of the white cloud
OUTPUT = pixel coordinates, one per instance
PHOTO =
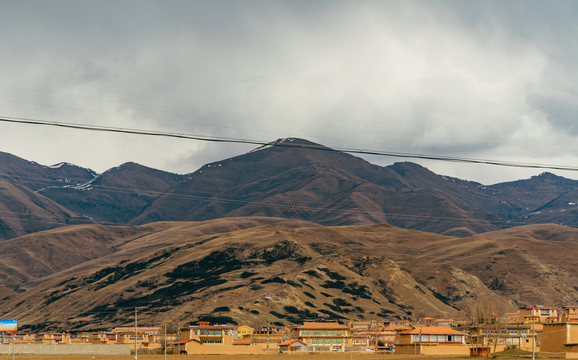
(446, 78)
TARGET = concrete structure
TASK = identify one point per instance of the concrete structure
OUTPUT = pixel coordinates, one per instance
(541, 314)
(146, 337)
(569, 313)
(323, 336)
(245, 331)
(432, 341)
(498, 337)
(64, 349)
(560, 340)
(217, 339)
(292, 345)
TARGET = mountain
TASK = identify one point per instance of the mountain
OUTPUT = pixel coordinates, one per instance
(296, 179)
(23, 211)
(115, 196)
(257, 270)
(35, 176)
(327, 187)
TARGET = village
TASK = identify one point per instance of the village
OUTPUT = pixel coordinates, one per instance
(551, 331)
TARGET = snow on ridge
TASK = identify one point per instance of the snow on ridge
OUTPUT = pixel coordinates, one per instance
(59, 165)
(262, 147)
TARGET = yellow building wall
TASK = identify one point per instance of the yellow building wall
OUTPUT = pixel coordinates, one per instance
(433, 349)
(560, 338)
(194, 347)
(248, 331)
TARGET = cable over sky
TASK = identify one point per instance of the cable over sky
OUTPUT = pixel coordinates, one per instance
(207, 138)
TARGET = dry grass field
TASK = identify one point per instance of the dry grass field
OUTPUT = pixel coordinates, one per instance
(276, 356)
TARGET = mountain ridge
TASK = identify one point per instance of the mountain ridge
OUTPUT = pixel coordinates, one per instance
(327, 186)
(274, 273)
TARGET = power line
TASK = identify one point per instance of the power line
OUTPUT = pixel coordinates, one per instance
(209, 138)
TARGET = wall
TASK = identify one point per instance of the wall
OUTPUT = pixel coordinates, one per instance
(194, 347)
(62, 349)
(560, 338)
(433, 349)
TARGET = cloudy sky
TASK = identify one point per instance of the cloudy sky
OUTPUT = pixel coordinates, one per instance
(478, 79)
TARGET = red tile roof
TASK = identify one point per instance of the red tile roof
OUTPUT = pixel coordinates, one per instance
(288, 342)
(321, 326)
(246, 341)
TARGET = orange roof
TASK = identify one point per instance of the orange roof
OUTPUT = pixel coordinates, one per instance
(288, 342)
(434, 330)
(246, 341)
(213, 327)
(397, 328)
(131, 329)
(321, 325)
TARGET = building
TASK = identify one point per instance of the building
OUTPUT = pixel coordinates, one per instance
(560, 340)
(432, 340)
(146, 337)
(323, 336)
(292, 345)
(498, 337)
(569, 314)
(541, 314)
(54, 338)
(217, 339)
(100, 337)
(204, 333)
(245, 331)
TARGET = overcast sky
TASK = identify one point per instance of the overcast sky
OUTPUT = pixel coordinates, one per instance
(481, 79)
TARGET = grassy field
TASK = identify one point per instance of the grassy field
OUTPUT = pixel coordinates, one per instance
(293, 356)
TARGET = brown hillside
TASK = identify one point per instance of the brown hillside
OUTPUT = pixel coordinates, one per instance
(231, 271)
(37, 256)
(23, 211)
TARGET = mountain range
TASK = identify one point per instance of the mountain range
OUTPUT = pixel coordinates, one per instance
(328, 187)
(289, 231)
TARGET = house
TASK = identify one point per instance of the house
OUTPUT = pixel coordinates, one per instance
(100, 337)
(245, 331)
(541, 314)
(323, 336)
(205, 338)
(397, 328)
(502, 336)
(569, 314)
(204, 333)
(144, 336)
(54, 338)
(513, 317)
(432, 340)
(560, 340)
(444, 322)
(292, 345)
(269, 338)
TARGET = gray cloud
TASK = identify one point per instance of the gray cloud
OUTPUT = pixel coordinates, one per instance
(485, 79)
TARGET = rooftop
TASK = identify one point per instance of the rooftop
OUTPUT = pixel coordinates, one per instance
(434, 330)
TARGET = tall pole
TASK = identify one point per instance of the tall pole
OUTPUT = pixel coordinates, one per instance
(533, 336)
(420, 340)
(351, 349)
(135, 336)
(165, 341)
(179, 339)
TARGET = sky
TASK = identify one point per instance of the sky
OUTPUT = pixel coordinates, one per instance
(478, 79)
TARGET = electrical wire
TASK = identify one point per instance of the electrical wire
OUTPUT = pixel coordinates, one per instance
(208, 138)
